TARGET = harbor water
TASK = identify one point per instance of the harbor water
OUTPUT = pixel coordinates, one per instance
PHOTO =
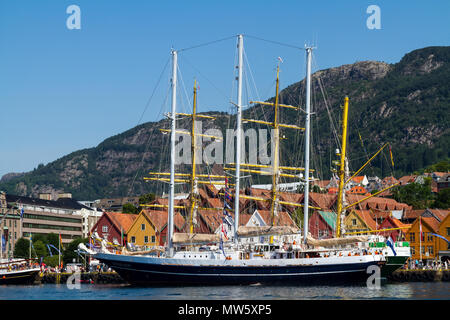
(388, 291)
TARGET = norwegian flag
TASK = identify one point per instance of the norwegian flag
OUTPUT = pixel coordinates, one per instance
(224, 231)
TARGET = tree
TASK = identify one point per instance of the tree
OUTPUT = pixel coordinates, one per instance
(69, 253)
(22, 248)
(53, 239)
(147, 198)
(39, 249)
(443, 199)
(417, 195)
(129, 208)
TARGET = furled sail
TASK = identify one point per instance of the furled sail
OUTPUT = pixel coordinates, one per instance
(195, 238)
(266, 230)
(334, 241)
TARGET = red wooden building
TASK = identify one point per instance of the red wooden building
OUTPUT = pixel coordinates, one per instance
(113, 226)
(322, 224)
(390, 223)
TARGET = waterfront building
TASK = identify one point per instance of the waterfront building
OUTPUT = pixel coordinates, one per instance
(150, 228)
(322, 224)
(359, 221)
(421, 239)
(113, 226)
(115, 204)
(391, 222)
(10, 228)
(42, 216)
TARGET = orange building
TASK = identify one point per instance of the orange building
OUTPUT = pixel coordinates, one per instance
(425, 248)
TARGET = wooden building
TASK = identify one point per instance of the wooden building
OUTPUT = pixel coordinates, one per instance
(393, 223)
(150, 228)
(424, 247)
(322, 224)
(359, 221)
(113, 226)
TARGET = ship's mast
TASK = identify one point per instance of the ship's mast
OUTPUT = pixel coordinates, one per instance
(307, 134)
(172, 151)
(194, 190)
(276, 157)
(341, 172)
(238, 136)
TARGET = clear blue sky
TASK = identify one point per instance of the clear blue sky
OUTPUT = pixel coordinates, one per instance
(63, 90)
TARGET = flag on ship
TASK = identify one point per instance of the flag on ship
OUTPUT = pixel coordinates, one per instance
(390, 243)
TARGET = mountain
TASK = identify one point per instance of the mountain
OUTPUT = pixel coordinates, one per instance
(406, 104)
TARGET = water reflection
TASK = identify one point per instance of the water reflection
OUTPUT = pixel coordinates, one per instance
(390, 291)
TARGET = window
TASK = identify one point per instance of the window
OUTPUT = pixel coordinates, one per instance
(143, 226)
(153, 239)
(430, 250)
(133, 239)
(413, 251)
(429, 236)
(412, 237)
(146, 239)
(105, 229)
(354, 222)
(448, 231)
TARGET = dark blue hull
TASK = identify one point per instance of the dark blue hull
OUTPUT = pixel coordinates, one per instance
(23, 277)
(166, 274)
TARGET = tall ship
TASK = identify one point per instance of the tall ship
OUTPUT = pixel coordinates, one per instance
(194, 258)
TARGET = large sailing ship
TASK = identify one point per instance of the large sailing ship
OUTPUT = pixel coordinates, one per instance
(190, 258)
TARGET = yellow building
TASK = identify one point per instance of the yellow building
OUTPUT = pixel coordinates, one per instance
(359, 221)
(143, 232)
(150, 228)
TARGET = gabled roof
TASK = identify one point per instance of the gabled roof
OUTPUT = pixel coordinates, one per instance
(358, 179)
(62, 203)
(212, 218)
(378, 214)
(366, 218)
(122, 221)
(407, 179)
(329, 217)
(322, 200)
(389, 180)
(398, 224)
(432, 223)
(159, 219)
(439, 213)
(357, 190)
(282, 219)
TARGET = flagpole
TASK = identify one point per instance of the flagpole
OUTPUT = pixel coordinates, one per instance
(59, 251)
(420, 238)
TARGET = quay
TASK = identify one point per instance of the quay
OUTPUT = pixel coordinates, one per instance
(420, 275)
(85, 277)
(401, 275)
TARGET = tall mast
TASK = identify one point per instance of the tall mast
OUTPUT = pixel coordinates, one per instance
(172, 150)
(342, 169)
(307, 134)
(238, 136)
(194, 190)
(276, 157)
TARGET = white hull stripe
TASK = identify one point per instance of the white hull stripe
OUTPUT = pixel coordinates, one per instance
(240, 274)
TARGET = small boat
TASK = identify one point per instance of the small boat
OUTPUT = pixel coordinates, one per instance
(17, 271)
